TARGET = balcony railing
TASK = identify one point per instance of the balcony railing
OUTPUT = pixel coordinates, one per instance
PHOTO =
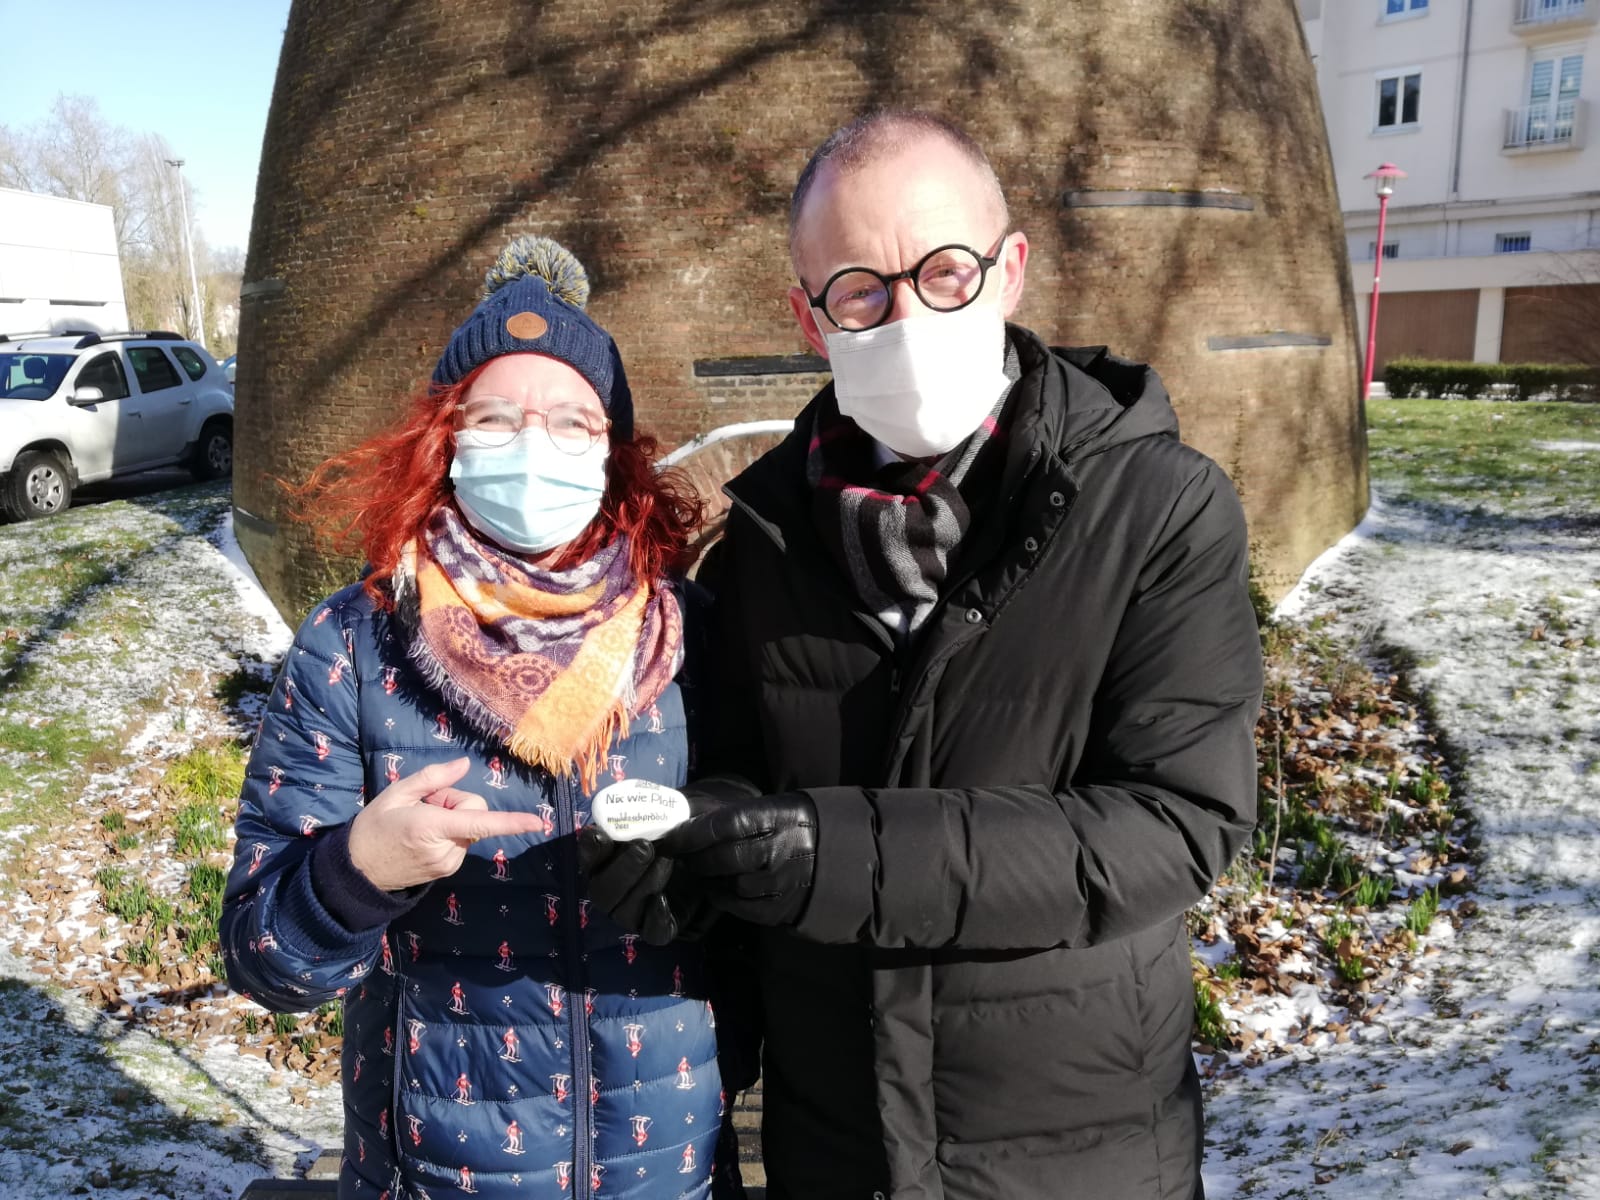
(1535, 16)
(1552, 125)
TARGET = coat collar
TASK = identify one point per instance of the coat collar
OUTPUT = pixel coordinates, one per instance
(1070, 403)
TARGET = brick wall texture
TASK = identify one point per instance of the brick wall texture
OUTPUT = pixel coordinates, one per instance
(659, 139)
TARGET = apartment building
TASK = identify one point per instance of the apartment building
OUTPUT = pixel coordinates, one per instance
(1489, 106)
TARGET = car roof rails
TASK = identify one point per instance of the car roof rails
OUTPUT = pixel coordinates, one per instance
(42, 333)
(154, 335)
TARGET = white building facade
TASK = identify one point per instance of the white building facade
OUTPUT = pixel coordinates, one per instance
(1490, 107)
(59, 266)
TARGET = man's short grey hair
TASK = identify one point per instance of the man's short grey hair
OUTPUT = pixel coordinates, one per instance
(878, 133)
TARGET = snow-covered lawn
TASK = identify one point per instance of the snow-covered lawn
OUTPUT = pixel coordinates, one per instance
(119, 621)
(1464, 1064)
(1482, 1078)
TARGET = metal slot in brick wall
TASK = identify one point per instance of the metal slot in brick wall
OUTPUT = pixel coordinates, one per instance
(1158, 199)
(770, 364)
(1266, 341)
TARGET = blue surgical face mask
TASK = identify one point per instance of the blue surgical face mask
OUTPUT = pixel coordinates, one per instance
(527, 495)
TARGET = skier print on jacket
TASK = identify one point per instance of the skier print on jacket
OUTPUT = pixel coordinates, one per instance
(434, 741)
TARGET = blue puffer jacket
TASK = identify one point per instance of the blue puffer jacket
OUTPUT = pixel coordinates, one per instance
(502, 1037)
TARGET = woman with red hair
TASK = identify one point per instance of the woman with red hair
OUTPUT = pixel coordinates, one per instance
(515, 644)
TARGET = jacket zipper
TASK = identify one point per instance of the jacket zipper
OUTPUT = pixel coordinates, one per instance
(901, 703)
(577, 1011)
(900, 658)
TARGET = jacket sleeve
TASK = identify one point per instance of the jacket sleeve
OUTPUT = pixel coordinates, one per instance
(281, 944)
(1163, 800)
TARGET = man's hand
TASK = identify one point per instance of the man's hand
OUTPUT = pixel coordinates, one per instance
(628, 880)
(418, 828)
(754, 856)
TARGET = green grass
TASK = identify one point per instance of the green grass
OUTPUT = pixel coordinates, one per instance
(1421, 912)
(208, 773)
(1326, 863)
(1372, 891)
(132, 899)
(1482, 455)
(194, 914)
(1209, 1026)
(332, 1015)
(56, 742)
(206, 782)
(1350, 964)
(199, 827)
(46, 769)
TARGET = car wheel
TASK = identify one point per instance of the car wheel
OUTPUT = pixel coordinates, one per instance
(213, 455)
(39, 485)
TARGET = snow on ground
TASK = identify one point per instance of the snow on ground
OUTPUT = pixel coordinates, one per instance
(92, 1104)
(1483, 1077)
(1478, 1078)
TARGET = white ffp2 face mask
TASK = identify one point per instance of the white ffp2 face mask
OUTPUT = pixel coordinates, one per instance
(924, 384)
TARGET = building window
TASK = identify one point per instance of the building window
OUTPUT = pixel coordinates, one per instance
(1399, 99)
(1404, 8)
(1390, 249)
(1513, 243)
(1554, 81)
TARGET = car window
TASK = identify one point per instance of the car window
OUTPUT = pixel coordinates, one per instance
(104, 371)
(32, 376)
(153, 369)
(192, 362)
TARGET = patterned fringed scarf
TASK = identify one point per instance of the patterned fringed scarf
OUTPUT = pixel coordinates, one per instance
(552, 663)
(891, 527)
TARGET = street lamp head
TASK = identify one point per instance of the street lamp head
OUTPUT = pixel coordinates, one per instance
(1383, 179)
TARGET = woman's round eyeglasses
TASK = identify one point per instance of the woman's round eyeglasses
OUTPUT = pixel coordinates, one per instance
(945, 279)
(494, 421)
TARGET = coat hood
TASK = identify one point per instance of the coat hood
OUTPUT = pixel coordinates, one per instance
(1088, 399)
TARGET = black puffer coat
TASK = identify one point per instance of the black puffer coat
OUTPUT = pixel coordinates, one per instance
(989, 994)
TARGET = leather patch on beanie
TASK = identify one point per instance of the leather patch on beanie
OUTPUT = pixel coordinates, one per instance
(525, 326)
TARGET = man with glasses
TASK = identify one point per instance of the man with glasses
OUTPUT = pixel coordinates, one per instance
(984, 684)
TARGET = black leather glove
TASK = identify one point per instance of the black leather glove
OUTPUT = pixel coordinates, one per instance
(635, 886)
(754, 856)
(626, 880)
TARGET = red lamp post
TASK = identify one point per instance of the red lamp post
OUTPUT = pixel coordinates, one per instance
(1383, 178)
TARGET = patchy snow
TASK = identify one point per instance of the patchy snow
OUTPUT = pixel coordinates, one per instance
(1478, 1075)
(1567, 447)
(143, 1096)
(275, 636)
(1482, 1076)
(94, 1105)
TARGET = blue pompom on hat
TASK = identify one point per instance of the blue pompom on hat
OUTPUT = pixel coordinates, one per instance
(533, 300)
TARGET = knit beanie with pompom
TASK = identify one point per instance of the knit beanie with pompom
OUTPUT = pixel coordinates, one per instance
(533, 298)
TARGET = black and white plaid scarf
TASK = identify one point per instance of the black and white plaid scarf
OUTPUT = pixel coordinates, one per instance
(893, 525)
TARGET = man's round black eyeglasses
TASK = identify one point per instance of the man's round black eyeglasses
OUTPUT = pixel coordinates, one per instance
(945, 279)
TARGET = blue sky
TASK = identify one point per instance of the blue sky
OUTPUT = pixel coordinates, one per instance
(197, 72)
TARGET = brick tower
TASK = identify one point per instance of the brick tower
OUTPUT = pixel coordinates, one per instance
(1166, 158)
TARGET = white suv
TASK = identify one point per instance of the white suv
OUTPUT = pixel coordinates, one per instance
(81, 407)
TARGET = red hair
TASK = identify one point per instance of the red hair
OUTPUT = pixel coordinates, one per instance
(378, 495)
